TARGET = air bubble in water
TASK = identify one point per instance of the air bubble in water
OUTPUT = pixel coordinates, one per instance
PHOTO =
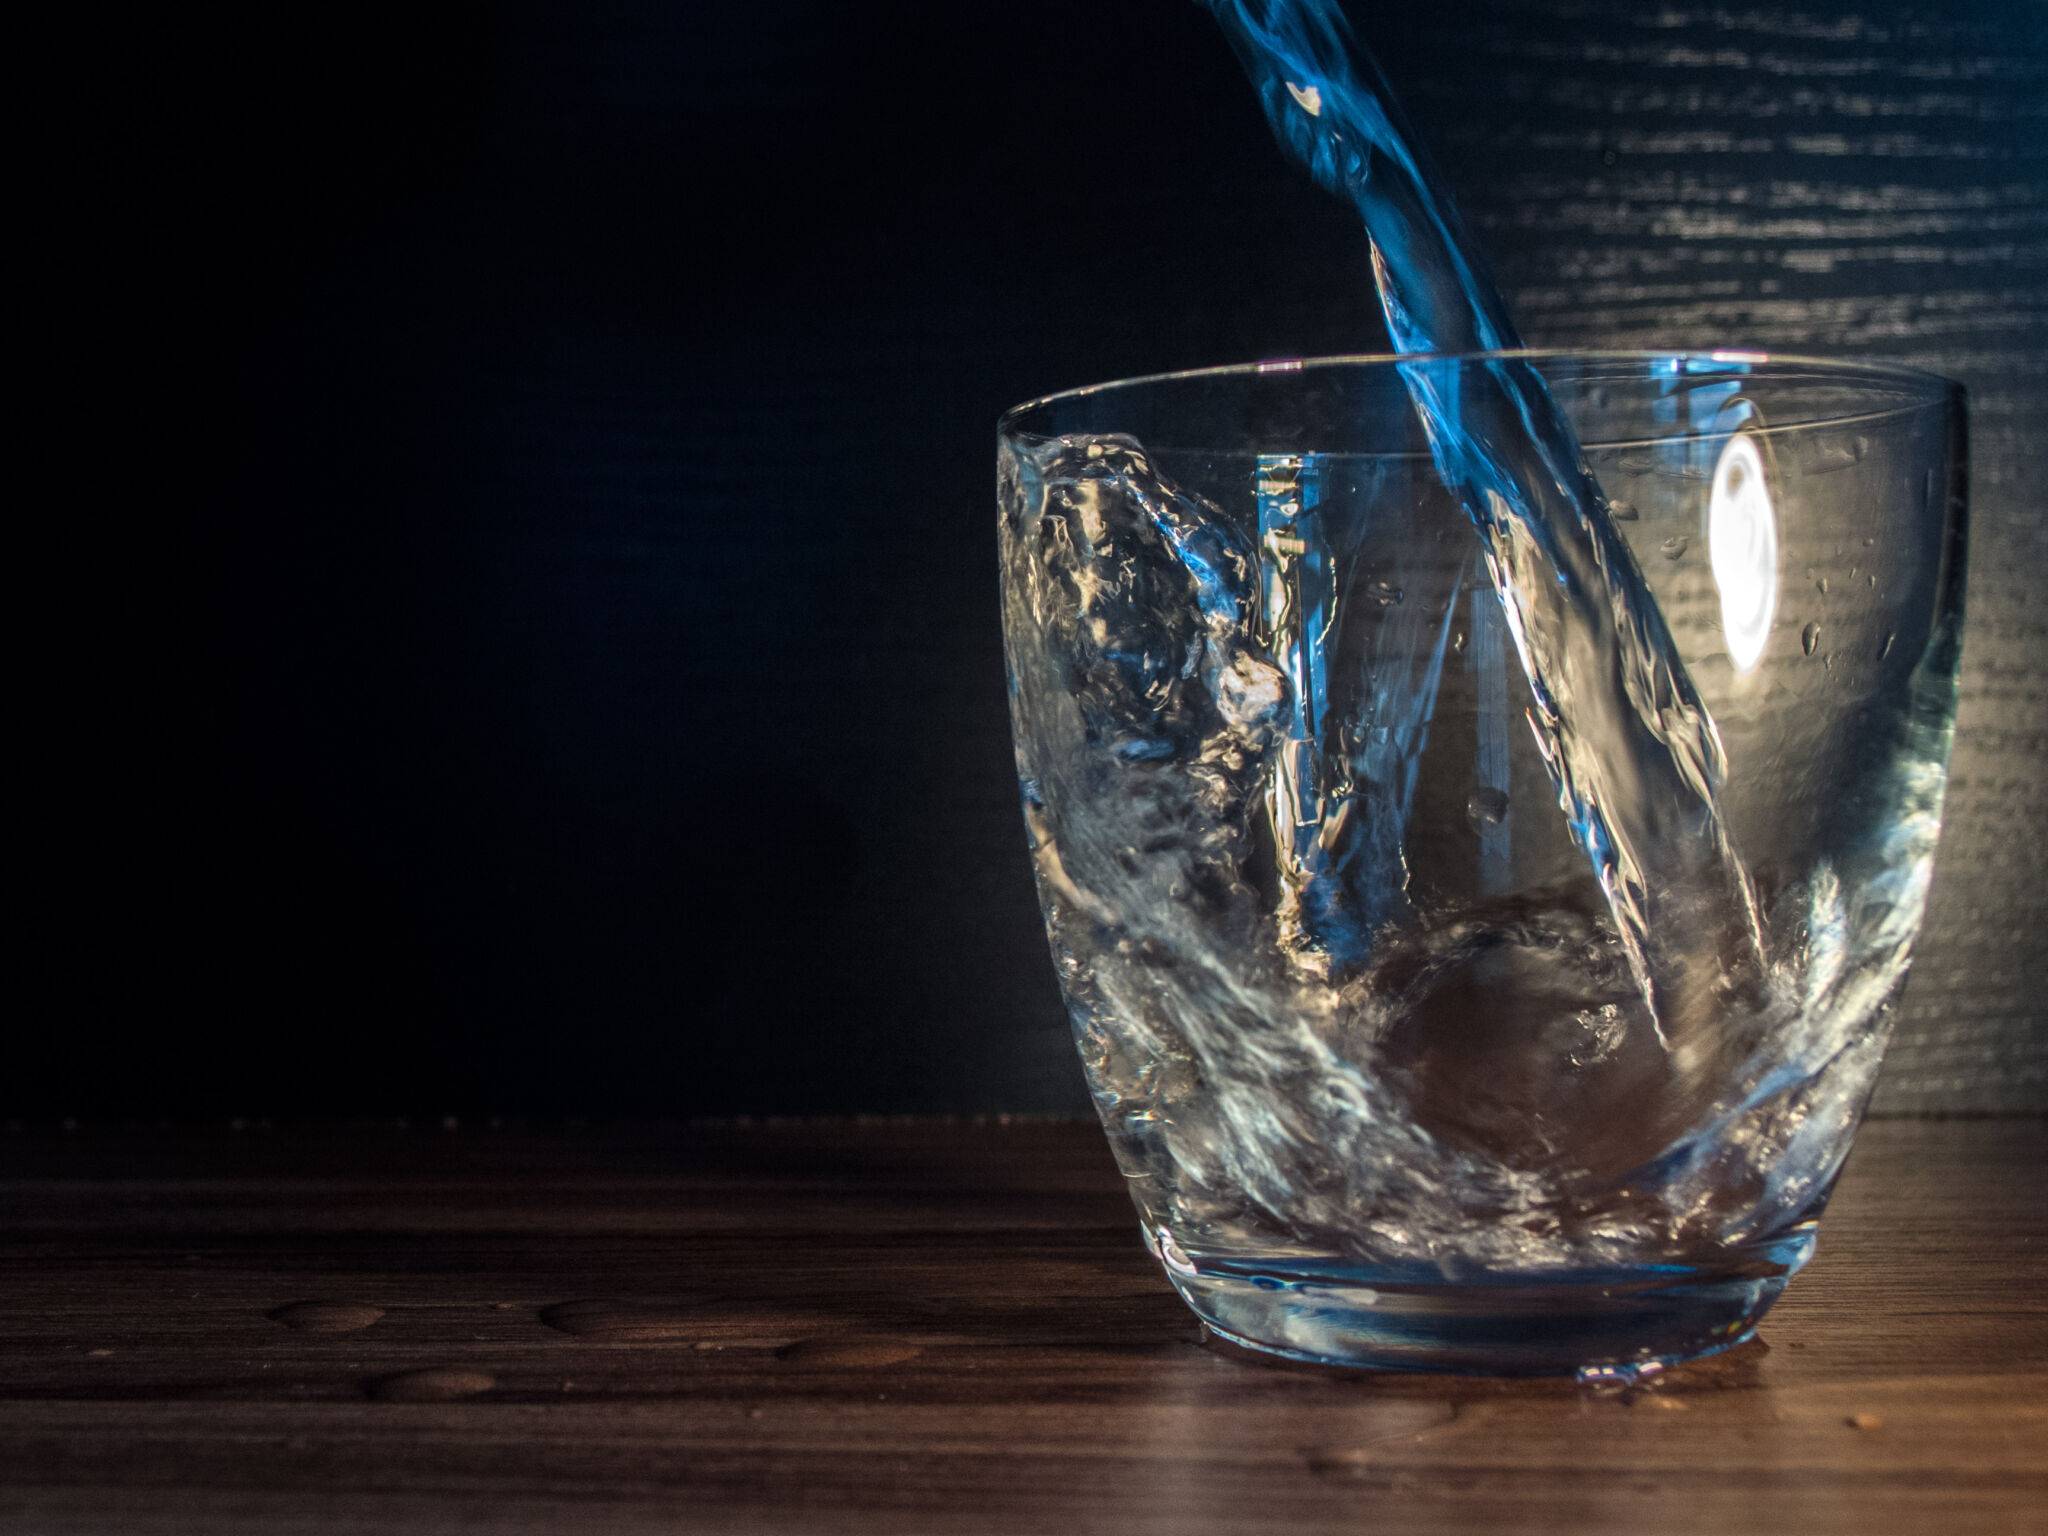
(1487, 810)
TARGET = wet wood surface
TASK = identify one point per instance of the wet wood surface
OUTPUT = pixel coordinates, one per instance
(925, 1326)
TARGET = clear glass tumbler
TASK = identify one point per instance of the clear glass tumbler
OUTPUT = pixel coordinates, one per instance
(1393, 1079)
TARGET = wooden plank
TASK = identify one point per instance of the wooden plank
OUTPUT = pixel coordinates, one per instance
(923, 1326)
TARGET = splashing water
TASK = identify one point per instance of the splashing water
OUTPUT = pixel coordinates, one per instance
(1219, 745)
(1634, 753)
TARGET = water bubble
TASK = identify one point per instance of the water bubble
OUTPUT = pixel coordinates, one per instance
(1886, 649)
(1623, 511)
(1458, 642)
(1825, 455)
(1171, 1254)
(1809, 637)
(1676, 545)
(1487, 810)
(1823, 585)
(1873, 578)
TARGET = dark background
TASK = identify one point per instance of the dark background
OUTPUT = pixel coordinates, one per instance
(522, 633)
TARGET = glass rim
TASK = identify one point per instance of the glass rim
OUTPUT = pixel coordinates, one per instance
(1936, 386)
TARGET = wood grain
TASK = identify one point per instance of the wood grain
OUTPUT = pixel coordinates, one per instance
(917, 1327)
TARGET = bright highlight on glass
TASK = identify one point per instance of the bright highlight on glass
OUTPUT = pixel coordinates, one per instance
(1742, 537)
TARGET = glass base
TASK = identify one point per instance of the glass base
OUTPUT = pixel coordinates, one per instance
(1613, 1326)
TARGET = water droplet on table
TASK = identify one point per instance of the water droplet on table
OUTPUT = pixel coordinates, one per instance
(432, 1386)
(326, 1316)
(678, 1317)
(848, 1352)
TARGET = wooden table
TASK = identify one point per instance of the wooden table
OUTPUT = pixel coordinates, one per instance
(944, 1327)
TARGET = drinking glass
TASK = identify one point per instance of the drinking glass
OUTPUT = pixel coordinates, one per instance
(1376, 1056)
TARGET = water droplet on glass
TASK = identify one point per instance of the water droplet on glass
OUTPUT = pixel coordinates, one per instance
(1886, 649)
(1385, 593)
(1823, 585)
(1873, 578)
(1676, 546)
(1809, 637)
(1623, 511)
(1487, 810)
(1171, 1254)
(1458, 642)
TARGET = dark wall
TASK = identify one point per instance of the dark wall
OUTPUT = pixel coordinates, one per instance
(541, 651)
